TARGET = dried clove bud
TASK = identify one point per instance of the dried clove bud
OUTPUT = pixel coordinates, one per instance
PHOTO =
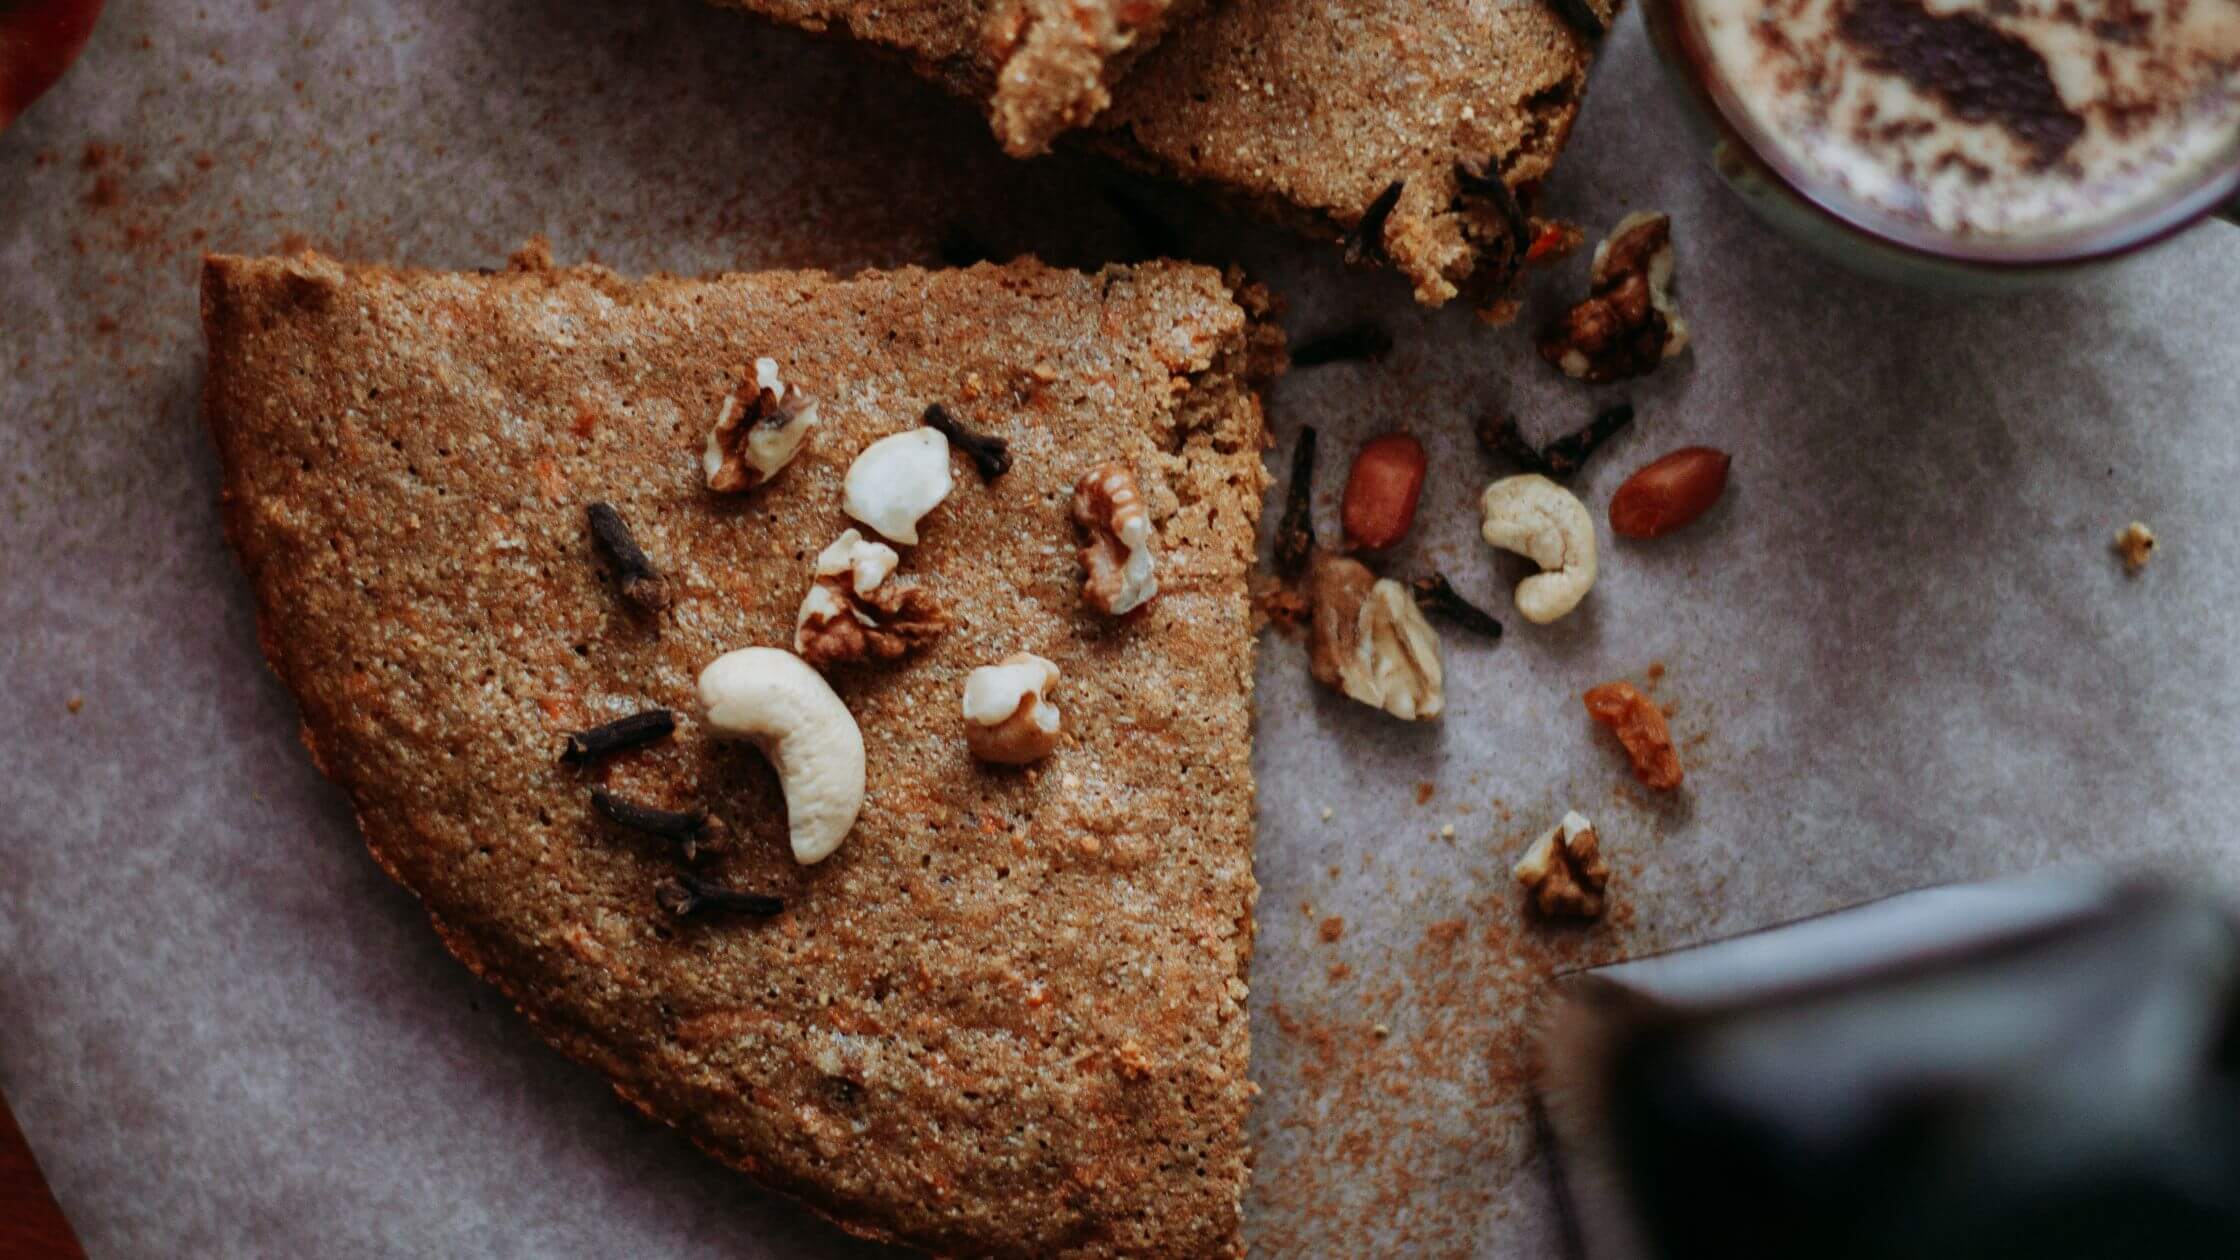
(1365, 240)
(1363, 340)
(1580, 16)
(639, 728)
(686, 894)
(990, 454)
(1565, 455)
(639, 582)
(1489, 186)
(695, 831)
(1436, 594)
(1500, 438)
(1295, 534)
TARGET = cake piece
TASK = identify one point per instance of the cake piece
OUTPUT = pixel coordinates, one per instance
(1418, 134)
(1039, 67)
(1005, 1016)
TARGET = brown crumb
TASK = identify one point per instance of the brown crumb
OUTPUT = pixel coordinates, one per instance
(2135, 543)
(1332, 929)
(75, 703)
(1425, 791)
(1339, 971)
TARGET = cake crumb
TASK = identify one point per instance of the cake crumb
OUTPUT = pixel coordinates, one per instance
(1380, 1031)
(75, 703)
(1447, 832)
(1328, 813)
(1333, 928)
(1425, 791)
(2135, 543)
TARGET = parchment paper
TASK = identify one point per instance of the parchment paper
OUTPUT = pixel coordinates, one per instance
(1900, 652)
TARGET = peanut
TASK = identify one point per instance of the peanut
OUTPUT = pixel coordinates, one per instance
(1669, 493)
(1382, 490)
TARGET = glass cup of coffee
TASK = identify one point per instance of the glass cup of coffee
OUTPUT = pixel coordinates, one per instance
(1970, 141)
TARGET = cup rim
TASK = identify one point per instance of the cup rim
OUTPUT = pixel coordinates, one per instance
(2217, 184)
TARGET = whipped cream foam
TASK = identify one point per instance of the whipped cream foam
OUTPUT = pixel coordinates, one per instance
(1988, 118)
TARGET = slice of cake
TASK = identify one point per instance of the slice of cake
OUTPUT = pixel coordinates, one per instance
(1417, 133)
(1005, 1014)
(1039, 67)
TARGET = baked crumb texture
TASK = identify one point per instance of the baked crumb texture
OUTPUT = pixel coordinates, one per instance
(1039, 67)
(1007, 1017)
(1308, 110)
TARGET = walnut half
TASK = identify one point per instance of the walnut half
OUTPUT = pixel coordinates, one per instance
(1564, 870)
(1629, 323)
(851, 614)
(1370, 641)
(758, 430)
(1110, 510)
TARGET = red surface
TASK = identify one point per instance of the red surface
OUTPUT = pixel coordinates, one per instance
(32, 1226)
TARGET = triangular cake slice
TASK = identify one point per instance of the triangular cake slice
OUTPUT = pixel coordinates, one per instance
(1038, 67)
(1006, 1016)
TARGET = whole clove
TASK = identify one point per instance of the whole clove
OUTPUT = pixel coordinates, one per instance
(1295, 533)
(1500, 438)
(695, 831)
(1489, 186)
(1365, 240)
(1580, 16)
(635, 576)
(990, 454)
(1567, 453)
(1364, 340)
(686, 894)
(629, 732)
(1436, 594)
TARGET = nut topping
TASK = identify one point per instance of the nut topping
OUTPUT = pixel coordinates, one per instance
(1564, 870)
(851, 614)
(1110, 511)
(896, 481)
(1628, 324)
(759, 429)
(1669, 493)
(1008, 718)
(1370, 641)
(1537, 518)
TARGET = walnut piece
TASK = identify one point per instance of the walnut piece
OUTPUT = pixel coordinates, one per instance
(1117, 558)
(1368, 640)
(1008, 717)
(1639, 725)
(1628, 324)
(1564, 870)
(759, 429)
(2135, 543)
(851, 614)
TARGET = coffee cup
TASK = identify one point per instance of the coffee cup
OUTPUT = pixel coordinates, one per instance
(1979, 143)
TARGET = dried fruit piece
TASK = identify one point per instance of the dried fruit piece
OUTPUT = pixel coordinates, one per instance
(1639, 725)
(1382, 491)
(1669, 493)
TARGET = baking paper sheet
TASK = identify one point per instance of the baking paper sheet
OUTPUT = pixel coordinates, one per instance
(1900, 652)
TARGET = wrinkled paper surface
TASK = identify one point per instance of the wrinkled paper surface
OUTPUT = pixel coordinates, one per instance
(1899, 652)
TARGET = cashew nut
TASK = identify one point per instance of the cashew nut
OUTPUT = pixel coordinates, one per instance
(1007, 718)
(896, 481)
(772, 698)
(1541, 520)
